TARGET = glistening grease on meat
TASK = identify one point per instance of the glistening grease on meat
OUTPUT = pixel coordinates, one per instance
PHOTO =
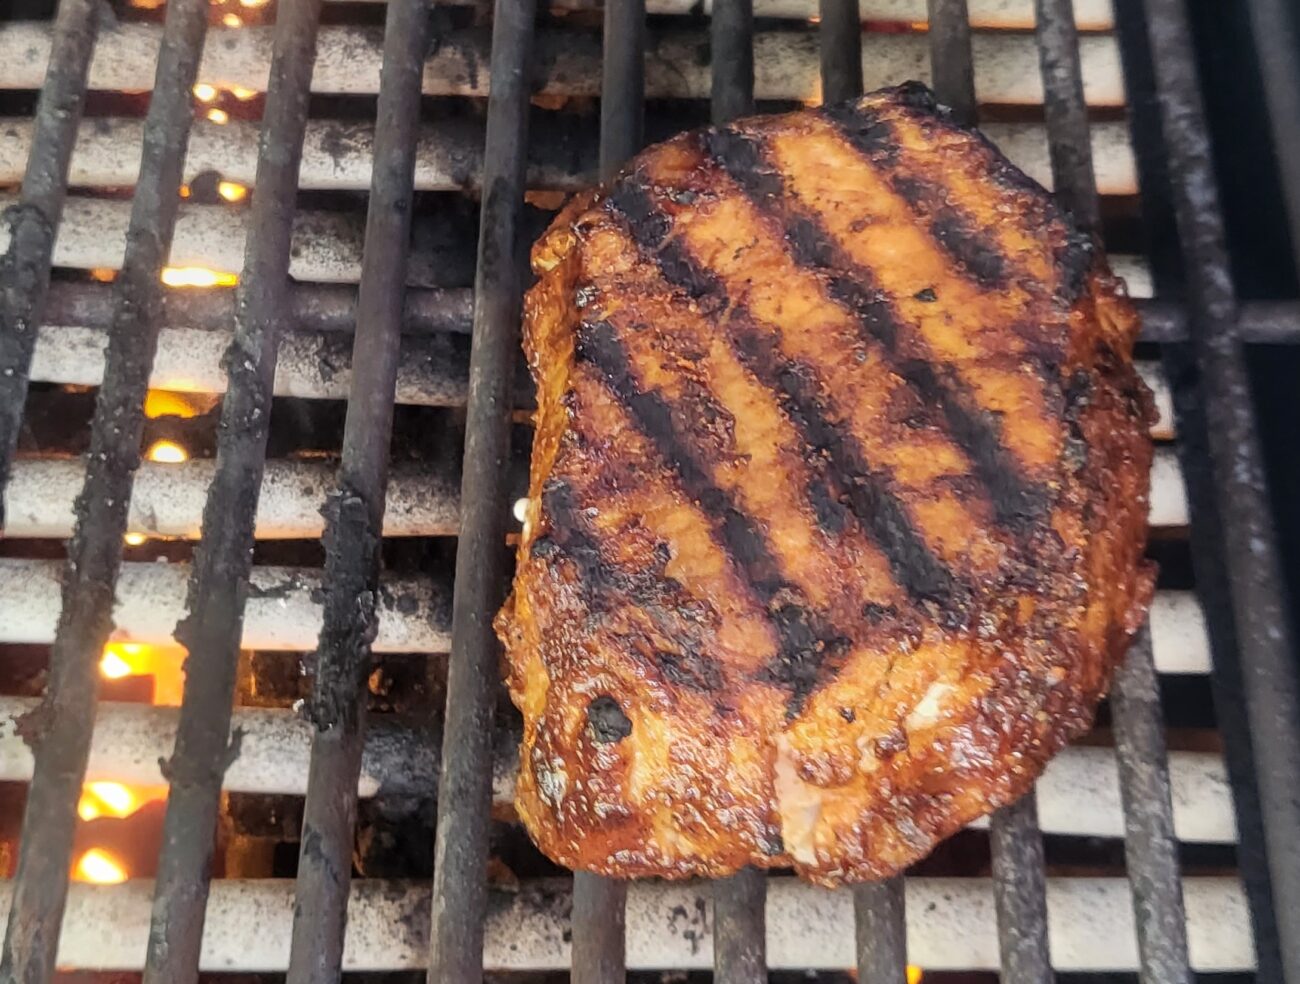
(838, 500)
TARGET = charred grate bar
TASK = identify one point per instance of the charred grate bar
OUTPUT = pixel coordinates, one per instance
(461, 844)
(211, 630)
(66, 719)
(1238, 494)
(33, 221)
(355, 516)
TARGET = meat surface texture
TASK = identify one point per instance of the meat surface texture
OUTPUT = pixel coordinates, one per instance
(838, 502)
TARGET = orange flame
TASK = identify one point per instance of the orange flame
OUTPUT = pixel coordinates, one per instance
(218, 116)
(100, 867)
(165, 403)
(167, 453)
(133, 659)
(204, 92)
(232, 20)
(197, 277)
(232, 191)
(112, 799)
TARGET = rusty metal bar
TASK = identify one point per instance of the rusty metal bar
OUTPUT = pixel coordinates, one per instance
(355, 516)
(211, 631)
(95, 551)
(461, 846)
(34, 220)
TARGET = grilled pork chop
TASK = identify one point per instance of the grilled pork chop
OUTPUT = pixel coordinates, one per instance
(838, 501)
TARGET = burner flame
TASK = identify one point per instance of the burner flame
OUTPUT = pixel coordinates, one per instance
(100, 867)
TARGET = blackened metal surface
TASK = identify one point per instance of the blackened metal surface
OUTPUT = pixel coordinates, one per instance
(1020, 892)
(67, 715)
(622, 87)
(34, 220)
(839, 37)
(1069, 136)
(1250, 555)
(1267, 322)
(219, 582)
(461, 847)
(1150, 845)
(599, 929)
(311, 307)
(1275, 24)
(740, 928)
(354, 517)
(951, 65)
(731, 40)
(880, 930)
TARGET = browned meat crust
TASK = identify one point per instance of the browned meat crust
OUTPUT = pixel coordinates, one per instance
(838, 498)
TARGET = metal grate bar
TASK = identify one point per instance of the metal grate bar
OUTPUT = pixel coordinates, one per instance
(1250, 556)
(622, 87)
(600, 904)
(33, 221)
(461, 847)
(1069, 141)
(740, 928)
(840, 41)
(1151, 846)
(880, 931)
(1017, 861)
(310, 307)
(355, 516)
(1020, 891)
(211, 632)
(952, 65)
(731, 45)
(599, 929)
(739, 906)
(332, 308)
(95, 551)
(879, 909)
(1275, 26)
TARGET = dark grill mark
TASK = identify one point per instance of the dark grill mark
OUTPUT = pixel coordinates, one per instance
(955, 230)
(689, 669)
(916, 569)
(1015, 501)
(806, 641)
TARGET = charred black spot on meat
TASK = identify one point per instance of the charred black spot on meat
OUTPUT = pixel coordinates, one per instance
(607, 721)
(1074, 262)
(875, 612)
(926, 295)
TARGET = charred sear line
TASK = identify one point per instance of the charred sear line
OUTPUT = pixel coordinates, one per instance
(955, 230)
(867, 492)
(807, 643)
(919, 572)
(1015, 501)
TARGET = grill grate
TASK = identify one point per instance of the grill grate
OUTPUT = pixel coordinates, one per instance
(275, 350)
